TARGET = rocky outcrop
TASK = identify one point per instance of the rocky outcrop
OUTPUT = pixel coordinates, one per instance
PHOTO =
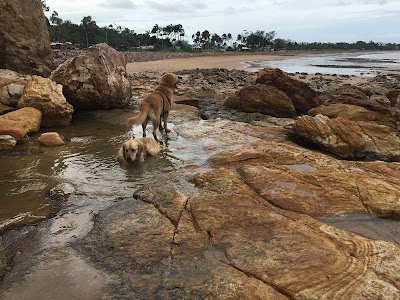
(95, 79)
(353, 96)
(24, 38)
(348, 139)
(263, 99)
(47, 96)
(12, 85)
(235, 211)
(28, 118)
(302, 95)
(353, 113)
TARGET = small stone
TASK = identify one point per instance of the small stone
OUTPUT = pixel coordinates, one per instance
(50, 139)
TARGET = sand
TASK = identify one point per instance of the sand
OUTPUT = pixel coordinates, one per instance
(202, 62)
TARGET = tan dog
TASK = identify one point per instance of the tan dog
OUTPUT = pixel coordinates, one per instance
(156, 105)
(135, 150)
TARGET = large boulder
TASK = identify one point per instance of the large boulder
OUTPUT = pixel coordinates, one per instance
(302, 95)
(353, 113)
(24, 38)
(96, 79)
(264, 99)
(28, 118)
(12, 85)
(354, 96)
(45, 95)
(348, 139)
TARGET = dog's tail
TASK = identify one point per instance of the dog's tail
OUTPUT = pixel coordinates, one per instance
(141, 116)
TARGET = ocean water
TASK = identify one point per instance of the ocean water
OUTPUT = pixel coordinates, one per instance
(367, 64)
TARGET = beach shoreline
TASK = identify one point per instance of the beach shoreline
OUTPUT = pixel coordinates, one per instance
(238, 62)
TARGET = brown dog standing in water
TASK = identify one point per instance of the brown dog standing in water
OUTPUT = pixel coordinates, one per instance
(156, 105)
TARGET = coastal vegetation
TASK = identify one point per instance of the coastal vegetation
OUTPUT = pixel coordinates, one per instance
(174, 36)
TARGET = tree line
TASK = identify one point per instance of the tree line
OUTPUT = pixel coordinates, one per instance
(88, 33)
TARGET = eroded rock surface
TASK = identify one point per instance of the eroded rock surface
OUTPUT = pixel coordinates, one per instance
(243, 223)
(28, 118)
(47, 96)
(95, 79)
(12, 85)
(302, 95)
(24, 38)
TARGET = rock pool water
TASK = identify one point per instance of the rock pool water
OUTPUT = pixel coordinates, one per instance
(34, 180)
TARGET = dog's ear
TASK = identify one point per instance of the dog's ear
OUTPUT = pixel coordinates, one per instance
(140, 150)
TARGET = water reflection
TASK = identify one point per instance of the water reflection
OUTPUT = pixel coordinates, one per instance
(86, 164)
(368, 226)
(365, 64)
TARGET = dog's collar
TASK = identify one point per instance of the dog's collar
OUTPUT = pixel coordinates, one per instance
(162, 94)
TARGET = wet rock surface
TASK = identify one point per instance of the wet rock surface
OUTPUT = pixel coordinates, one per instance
(242, 220)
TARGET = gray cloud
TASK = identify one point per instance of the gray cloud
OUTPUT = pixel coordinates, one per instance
(118, 4)
(366, 2)
(177, 7)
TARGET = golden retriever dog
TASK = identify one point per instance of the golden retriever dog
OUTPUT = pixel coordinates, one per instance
(135, 150)
(156, 105)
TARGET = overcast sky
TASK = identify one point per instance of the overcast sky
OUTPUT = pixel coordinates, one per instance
(301, 21)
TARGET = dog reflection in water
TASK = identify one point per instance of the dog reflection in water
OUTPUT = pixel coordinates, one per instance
(135, 150)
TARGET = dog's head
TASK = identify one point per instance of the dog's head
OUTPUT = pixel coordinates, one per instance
(132, 151)
(170, 80)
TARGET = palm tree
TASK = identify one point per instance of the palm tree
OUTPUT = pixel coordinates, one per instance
(196, 37)
(224, 38)
(205, 37)
(87, 23)
(156, 30)
(229, 37)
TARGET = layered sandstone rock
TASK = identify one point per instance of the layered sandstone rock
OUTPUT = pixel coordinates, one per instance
(24, 38)
(225, 241)
(353, 96)
(349, 139)
(95, 79)
(47, 96)
(302, 95)
(28, 118)
(263, 99)
(353, 113)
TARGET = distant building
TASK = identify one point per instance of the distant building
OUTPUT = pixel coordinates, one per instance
(196, 47)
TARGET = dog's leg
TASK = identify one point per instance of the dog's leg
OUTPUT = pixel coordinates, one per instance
(166, 122)
(144, 125)
(156, 123)
(160, 126)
